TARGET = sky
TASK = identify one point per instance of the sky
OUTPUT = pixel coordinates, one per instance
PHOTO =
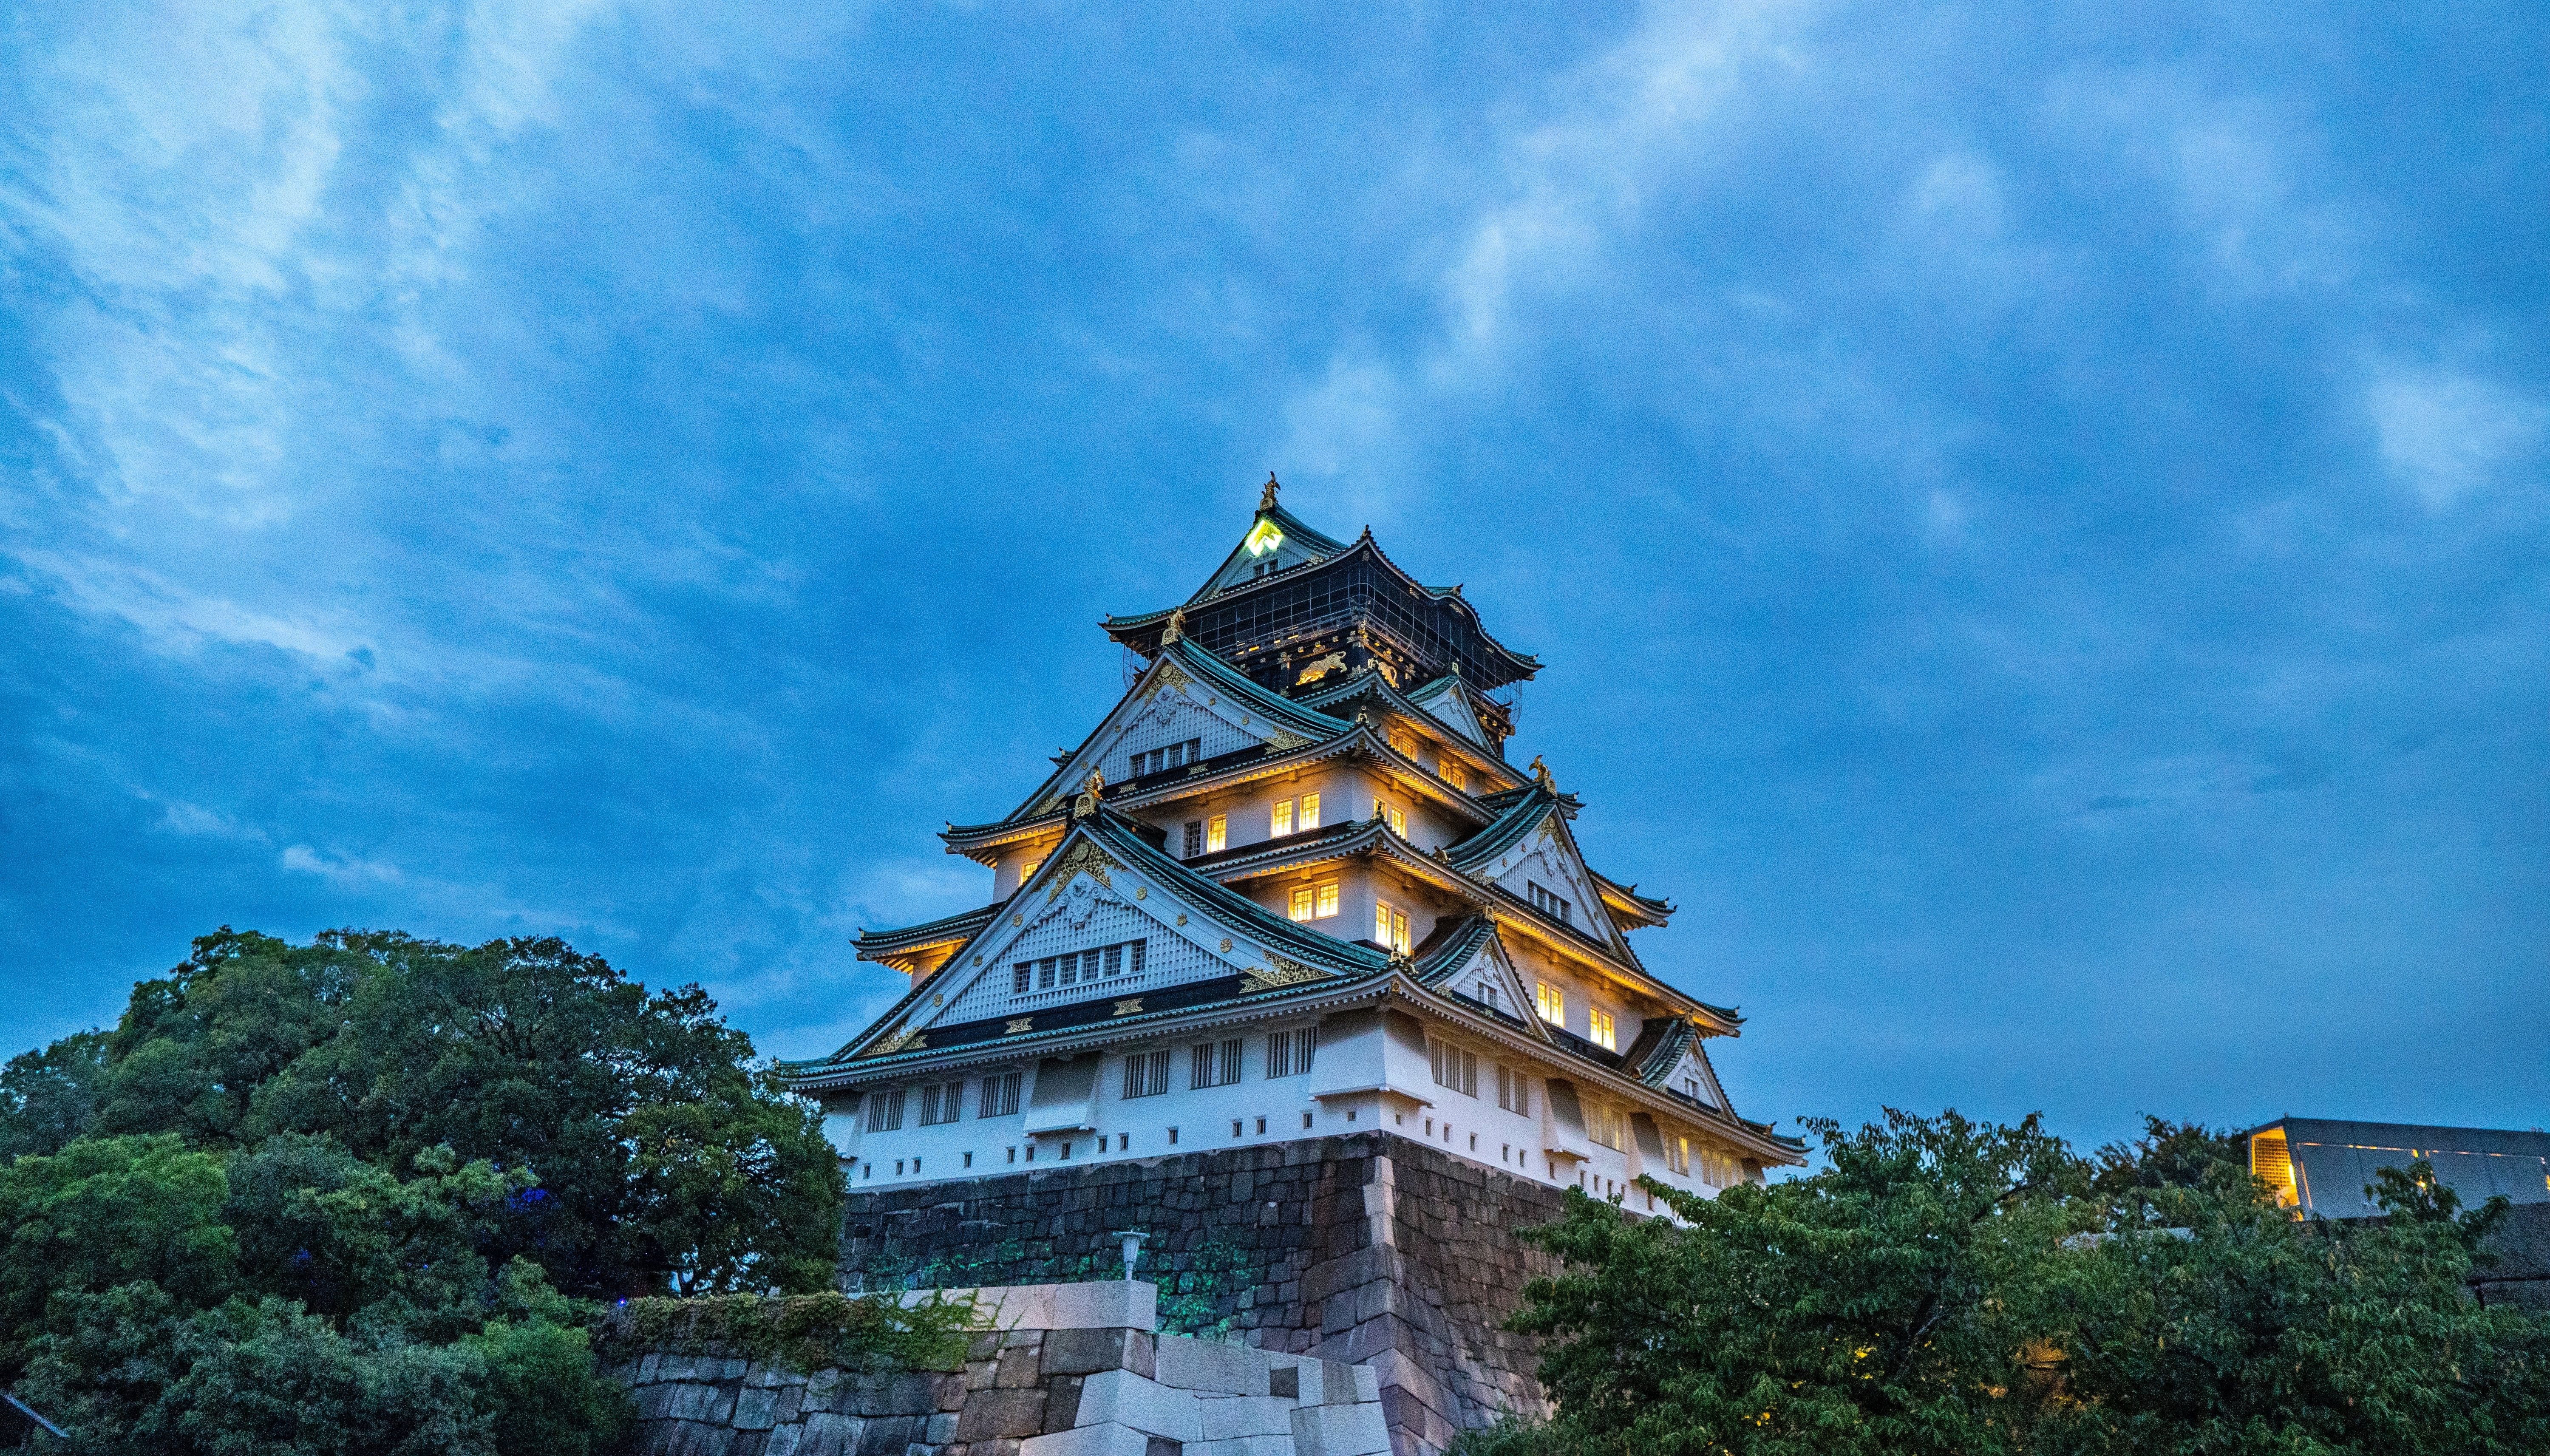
(2038, 516)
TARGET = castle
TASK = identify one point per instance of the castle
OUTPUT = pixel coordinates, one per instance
(1289, 892)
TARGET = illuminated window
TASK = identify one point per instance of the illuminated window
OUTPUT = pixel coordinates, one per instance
(1390, 925)
(1314, 902)
(1028, 870)
(1309, 811)
(1451, 772)
(1405, 741)
(1391, 815)
(1282, 820)
(1551, 1003)
(1217, 833)
(1678, 1154)
(1598, 1028)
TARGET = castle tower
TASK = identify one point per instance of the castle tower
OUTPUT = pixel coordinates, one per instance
(1291, 890)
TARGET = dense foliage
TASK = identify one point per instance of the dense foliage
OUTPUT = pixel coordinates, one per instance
(1948, 1287)
(367, 1194)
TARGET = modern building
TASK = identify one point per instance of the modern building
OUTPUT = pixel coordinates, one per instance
(2321, 1168)
(1292, 887)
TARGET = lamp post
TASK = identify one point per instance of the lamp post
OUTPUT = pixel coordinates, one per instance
(1132, 1238)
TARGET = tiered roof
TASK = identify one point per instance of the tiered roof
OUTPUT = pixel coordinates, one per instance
(1277, 966)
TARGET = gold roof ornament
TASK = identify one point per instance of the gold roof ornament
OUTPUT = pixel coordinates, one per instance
(1540, 771)
(1177, 627)
(1086, 804)
(1266, 500)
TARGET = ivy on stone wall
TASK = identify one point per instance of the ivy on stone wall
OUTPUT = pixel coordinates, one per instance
(1200, 1287)
(807, 1332)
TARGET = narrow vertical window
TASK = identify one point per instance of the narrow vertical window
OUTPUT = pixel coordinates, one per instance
(1217, 834)
(1000, 1095)
(1302, 900)
(1450, 772)
(1552, 1005)
(1281, 821)
(1135, 968)
(1309, 819)
(1021, 976)
(1391, 815)
(1598, 1026)
(1045, 974)
(1397, 938)
(1195, 837)
(1327, 902)
(1114, 961)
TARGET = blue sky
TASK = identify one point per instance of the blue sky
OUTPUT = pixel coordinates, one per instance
(2038, 515)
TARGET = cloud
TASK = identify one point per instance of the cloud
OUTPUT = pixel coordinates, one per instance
(2446, 435)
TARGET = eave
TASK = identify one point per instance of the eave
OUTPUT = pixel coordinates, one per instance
(948, 931)
(1757, 1138)
(1141, 632)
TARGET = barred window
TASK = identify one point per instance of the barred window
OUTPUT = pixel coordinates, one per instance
(1606, 1125)
(885, 1110)
(1001, 1094)
(1215, 1064)
(1288, 1053)
(1146, 1073)
(1195, 837)
(1455, 1068)
(1021, 976)
(1514, 1090)
(1548, 904)
(1309, 817)
(942, 1101)
(1175, 755)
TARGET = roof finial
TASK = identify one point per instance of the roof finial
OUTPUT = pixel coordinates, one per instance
(1091, 787)
(1177, 629)
(1540, 771)
(1266, 502)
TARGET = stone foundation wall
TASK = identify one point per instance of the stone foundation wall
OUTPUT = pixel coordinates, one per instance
(1072, 1370)
(1373, 1250)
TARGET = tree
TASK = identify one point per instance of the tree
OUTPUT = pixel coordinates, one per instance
(1951, 1287)
(1850, 1312)
(521, 1053)
(46, 1096)
(325, 1197)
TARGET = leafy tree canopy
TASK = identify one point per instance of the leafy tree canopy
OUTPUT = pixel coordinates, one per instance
(359, 1195)
(1950, 1287)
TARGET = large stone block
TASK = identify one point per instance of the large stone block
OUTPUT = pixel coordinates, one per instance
(1227, 1418)
(1090, 1440)
(830, 1433)
(1122, 1398)
(1340, 1430)
(996, 1413)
